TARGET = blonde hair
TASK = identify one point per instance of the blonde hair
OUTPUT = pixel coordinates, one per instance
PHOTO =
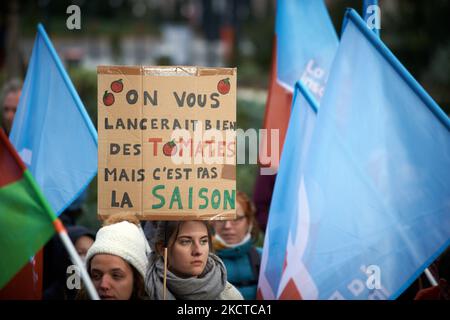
(12, 85)
(119, 217)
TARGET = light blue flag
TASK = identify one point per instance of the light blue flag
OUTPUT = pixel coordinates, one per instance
(52, 131)
(284, 240)
(377, 178)
(306, 44)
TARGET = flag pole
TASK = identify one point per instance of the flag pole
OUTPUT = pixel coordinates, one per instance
(62, 232)
(430, 277)
(165, 261)
(165, 274)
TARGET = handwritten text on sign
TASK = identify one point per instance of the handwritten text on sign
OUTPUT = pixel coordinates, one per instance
(167, 147)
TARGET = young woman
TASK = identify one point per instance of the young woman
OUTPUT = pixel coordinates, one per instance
(194, 272)
(234, 243)
(118, 260)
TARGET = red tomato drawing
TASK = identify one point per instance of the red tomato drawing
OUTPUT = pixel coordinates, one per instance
(224, 86)
(170, 148)
(117, 86)
(108, 98)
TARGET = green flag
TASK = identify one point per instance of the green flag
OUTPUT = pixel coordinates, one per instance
(26, 220)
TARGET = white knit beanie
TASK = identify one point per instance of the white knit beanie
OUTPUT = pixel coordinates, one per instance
(125, 240)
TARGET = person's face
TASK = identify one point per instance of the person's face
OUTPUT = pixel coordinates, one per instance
(82, 245)
(189, 252)
(9, 108)
(112, 277)
(233, 231)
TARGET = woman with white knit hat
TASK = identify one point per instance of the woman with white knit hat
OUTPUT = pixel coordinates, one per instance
(118, 260)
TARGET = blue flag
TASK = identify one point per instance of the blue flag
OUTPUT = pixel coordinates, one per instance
(306, 44)
(52, 131)
(376, 178)
(284, 240)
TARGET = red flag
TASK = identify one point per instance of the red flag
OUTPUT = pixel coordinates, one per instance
(278, 112)
(276, 117)
(25, 226)
(27, 283)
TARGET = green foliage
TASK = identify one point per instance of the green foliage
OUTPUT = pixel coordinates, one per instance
(89, 216)
(85, 82)
(250, 114)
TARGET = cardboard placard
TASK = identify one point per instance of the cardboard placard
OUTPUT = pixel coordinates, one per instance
(166, 142)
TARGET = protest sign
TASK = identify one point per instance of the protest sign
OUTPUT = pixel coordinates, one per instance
(167, 144)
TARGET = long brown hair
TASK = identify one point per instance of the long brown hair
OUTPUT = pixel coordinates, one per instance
(167, 231)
